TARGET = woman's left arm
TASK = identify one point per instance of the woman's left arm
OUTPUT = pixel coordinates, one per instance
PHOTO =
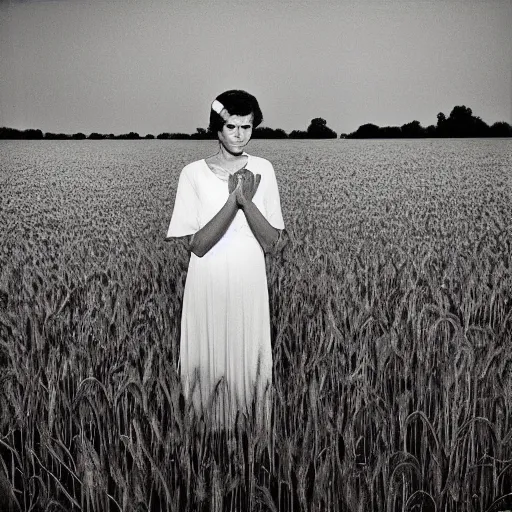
(266, 234)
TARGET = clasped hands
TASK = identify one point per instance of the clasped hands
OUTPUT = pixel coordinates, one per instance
(244, 185)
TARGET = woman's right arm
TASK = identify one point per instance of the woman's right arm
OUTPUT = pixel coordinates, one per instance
(203, 240)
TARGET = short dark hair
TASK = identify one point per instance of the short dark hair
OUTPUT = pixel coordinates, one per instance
(237, 103)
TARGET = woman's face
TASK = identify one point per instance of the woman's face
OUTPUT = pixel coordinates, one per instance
(236, 133)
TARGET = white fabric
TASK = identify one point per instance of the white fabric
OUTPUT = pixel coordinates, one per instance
(225, 324)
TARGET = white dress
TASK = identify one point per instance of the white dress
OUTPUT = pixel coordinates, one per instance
(225, 324)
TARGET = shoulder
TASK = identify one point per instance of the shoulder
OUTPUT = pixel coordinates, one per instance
(192, 167)
(261, 164)
(190, 176)
(192, 170)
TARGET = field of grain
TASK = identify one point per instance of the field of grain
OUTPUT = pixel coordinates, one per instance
(391, 311)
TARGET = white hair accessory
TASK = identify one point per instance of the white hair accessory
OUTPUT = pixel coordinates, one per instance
(217, 106)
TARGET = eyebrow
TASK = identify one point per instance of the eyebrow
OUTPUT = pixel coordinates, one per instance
(243, 125)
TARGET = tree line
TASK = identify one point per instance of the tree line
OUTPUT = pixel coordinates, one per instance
(460, 123)
(317, 129)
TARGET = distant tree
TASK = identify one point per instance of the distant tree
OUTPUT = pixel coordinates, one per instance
(459, 121)
(179, 136)
(480, 128)
(298, 134)
(131, 135)
(110, 136)
(202, 134)
(318, 122)
(441, 130)
(461, 112)
(318, 129)
(163, 136)
(8, 133)
(366, 131)
(390, 132)
(96, 136)
(462, 123)
(264, 132)
(127, 136)
(32, 134)
(412, 130)
(149, 136)
(13, 133)
(430, 131)
(500, 129)
(78, 136)
(343, 135)
(56, 136)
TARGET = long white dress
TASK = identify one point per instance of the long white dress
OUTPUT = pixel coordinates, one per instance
(225, 324)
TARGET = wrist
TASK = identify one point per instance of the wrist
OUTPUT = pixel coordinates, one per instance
(246, 204)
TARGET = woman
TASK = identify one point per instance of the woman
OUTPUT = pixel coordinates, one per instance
(228, 221)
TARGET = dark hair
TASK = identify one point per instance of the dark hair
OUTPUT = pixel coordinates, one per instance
(237, 103)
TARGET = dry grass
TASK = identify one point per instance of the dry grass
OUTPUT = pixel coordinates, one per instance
(391, 304)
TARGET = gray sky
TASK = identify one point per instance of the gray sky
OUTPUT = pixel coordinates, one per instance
(155, 66)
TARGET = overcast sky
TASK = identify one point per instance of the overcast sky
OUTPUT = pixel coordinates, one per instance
(154, 66)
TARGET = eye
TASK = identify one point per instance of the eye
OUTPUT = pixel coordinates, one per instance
(230, 126)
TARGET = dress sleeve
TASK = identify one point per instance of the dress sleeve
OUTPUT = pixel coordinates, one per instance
(185, 215)
(273, 201)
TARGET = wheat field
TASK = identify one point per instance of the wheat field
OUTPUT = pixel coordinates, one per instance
(391, 321)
